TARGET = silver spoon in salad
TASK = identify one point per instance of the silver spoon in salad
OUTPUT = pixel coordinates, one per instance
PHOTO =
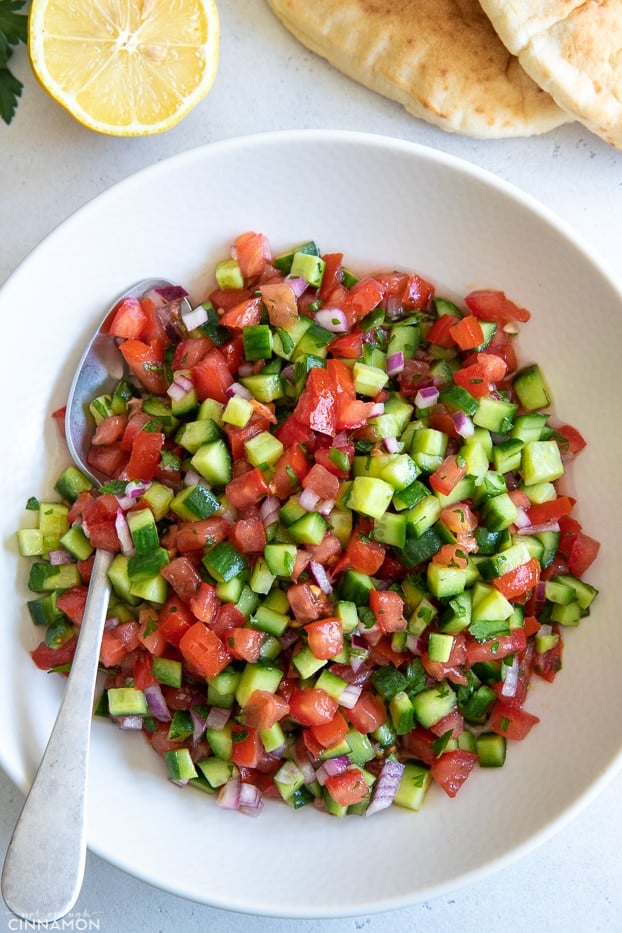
(46, 858)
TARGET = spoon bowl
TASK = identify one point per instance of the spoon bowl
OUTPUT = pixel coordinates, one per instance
(45, 861)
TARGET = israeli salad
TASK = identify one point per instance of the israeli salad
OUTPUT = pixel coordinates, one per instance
(343, 552)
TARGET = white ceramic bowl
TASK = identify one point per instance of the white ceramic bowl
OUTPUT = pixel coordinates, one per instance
(385, 203)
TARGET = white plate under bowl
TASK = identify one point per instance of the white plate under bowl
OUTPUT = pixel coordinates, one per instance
(386, 204)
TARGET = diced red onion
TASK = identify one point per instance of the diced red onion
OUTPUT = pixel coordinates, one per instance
(332, 767)
(130, 722)
(217, 718)
(325, 506)
(289, 374)
(511, 328)
(320, 576)
(393, 307)
(392, 445)
(386, 786)
(195, 317)
(246, 369)
(198, 725)
(306, 769)
(376, 410)
(269, 510)
(395, 363)
(510, 677)
(332, 319)
(538, 529)
(522, 519)
(297, 284)
(123, 532)
(171, 292)
(236, 388)
(192, 478)
(180, 386)
(112, 622)
(308, 500)
(426, 397)
(229, 794)
(414, 644)
(350, 695)
(156, 703)
(59, 556)
(463, 424)
(358, 656)
(289, 773)
(546, 629)
(136, 488)
(250, 801)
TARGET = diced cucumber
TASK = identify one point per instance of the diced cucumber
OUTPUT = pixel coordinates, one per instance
(491, 749)
(531, 388)
(414, 784)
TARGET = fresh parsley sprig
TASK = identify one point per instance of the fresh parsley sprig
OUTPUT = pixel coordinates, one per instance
(13, 30)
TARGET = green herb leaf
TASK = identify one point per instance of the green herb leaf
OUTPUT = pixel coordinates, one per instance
(13, 30)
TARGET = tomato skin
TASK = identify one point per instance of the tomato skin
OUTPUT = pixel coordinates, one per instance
(317, 405)
(347, 788)
(388, 609)
(495, 648)
(128, 319)
(245, 644)
(452, 768)
(473, 379)
(145, 456)
(47, 658)
(492, 305)
(512, 722)
(582, 554)
(247, 489)
(467, 333)
(263, 709)
(117, 642)
(312, 706)
(203, 650)
(247, 750)
(551, 511)
(183, 576)
(175, 618)
(211, 376)
(448, 474)
(520, 581)
(331, 733)
(146, 362)
(366, 556)
(325, 637)
(72, 602)
(252, 251)
(368, 713)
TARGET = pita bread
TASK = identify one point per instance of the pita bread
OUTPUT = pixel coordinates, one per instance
(573, 49)
(441, 59)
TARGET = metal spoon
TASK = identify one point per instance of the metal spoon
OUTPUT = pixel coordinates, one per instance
(45, 862)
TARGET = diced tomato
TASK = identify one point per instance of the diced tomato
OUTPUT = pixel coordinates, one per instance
(280, 302)
(452, 768)
(572, 442)
(542, 512)
(203, 650)
(237, 437)
(519, 581)
(245, 644)
(204, 603)
(317, 404)
(512, 722)
(227, 619)
(388, 609)
(363, 555)
(312, 706)
(321, 482)
(109, 460)
(117, 642)
(211, 376)
(128, 319)
(145, 456)
(347, 788)
(417, 292)
(333, 274)
(327, 551)
(440, 333)
(293, 431)
(188, 537)
(290, 470)
(419, 743)
(448, 474)
(48, 658)
(188, 352)
(183, 576)
(149, 634)
(246, 750)
(467, 333)
(146, 362)
(368, 713)
(453, 722)
(582, 554)
(325, 637)
(350, 346)
(495, 648)
(175, 618)
(454, 668)
(491, 305)
(547, 664)
(142, 672)
(252, 251)
(307, 601)
(72, 601)
(495, 368)
(248, 535)
(473, 378)
(331, 733)
(225, 298)
(245, 314)
(364, 297)
(263, 709)
(247, 489)
(110, 430)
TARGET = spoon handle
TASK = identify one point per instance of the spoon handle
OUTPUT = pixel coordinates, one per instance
(46, 858)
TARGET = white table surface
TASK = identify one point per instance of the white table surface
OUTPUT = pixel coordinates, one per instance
(50, 166)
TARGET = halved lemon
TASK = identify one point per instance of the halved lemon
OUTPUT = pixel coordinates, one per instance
(125, 67)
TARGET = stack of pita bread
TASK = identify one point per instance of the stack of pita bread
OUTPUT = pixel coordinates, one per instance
(485, 68)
